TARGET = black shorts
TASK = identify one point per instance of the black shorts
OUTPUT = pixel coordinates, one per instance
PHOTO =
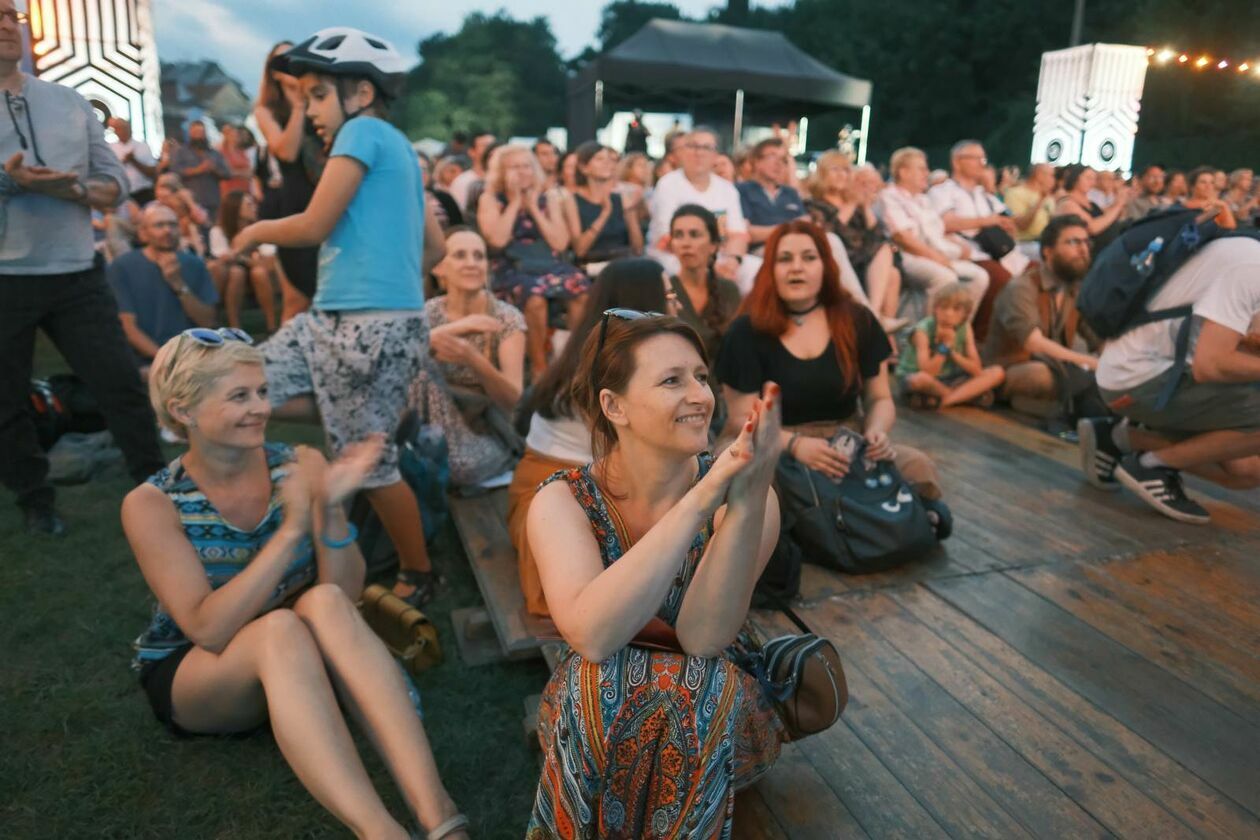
(156, 678)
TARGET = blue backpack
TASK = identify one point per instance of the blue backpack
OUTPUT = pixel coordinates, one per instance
(1129, 272)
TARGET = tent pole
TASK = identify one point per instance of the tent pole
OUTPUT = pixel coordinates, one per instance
(739, 120)
(599, 104)
(866, 125)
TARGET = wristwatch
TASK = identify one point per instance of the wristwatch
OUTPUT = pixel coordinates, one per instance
(943, 349)
(183, 291)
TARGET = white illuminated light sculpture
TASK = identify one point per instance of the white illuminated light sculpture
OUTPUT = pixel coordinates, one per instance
(1088, 99)
(105, 50)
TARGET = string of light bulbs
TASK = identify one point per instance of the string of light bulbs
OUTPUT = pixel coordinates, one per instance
(1203, 61)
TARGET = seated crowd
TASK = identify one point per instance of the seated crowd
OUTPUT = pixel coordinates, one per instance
(586, 329)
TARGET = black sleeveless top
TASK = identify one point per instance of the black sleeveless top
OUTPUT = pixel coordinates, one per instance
(614, 240)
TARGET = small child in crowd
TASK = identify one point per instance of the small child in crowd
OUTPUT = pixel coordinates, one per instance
(942, 367)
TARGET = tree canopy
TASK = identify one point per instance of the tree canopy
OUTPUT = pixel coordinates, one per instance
(942, 70)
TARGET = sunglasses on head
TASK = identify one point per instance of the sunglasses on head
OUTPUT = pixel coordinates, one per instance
(208, 337)
(621, 315)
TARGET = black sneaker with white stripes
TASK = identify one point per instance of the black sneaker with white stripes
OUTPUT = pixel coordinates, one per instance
(1099, 453)
(1160, 487)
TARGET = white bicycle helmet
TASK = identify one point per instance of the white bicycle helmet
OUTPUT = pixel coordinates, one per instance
(343, 51)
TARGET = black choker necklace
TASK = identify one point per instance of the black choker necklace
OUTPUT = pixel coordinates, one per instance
(799, 317)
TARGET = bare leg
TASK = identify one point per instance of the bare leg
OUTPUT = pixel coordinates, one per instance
(218, 274)
(536, 335)
(877, 282)
(301, 409)
(292, 302)
(1226, 457)
(273, 666)
(575, 311)
(399, 512)
(264, 293)
(369, 682)
(925, 383)
(235, 295)
(989, 378)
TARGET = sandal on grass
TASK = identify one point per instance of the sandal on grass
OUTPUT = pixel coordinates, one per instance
(456, 823)
(424, 585)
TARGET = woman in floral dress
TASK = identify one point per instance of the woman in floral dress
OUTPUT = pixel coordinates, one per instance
(648, 726)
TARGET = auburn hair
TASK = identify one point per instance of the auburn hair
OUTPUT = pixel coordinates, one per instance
(769, 314)
(614, 366)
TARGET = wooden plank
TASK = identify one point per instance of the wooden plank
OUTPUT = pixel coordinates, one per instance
(952, 557)
(1230, 510)
(1023, 479)
(1118, 805)
(802, 803)
(753, 820)
(1204, 736)
(482, 525)
(1162, 642)
(1201, 584)
(1011, 780)
(945, 790)
(1182, 793)
(875, 797)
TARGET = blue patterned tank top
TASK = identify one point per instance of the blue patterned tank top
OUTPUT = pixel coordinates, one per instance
(223, 549)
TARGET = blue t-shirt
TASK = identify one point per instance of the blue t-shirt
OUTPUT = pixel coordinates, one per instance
(760, 210)
(372, 258)
(140, 290)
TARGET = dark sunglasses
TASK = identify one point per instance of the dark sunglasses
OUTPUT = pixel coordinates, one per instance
(621, 315)
(217, 338)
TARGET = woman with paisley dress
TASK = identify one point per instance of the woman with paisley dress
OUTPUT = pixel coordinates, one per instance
(648, 558)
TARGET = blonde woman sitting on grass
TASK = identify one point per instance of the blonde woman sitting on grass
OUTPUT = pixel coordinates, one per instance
(942, 366)
(256, 572)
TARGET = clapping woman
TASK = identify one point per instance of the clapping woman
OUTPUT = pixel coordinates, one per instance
(229, 535)
(655, 539)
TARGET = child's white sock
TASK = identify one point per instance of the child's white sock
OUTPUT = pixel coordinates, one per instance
(1151, 460)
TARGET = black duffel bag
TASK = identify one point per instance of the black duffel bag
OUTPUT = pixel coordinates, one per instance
(869, 521)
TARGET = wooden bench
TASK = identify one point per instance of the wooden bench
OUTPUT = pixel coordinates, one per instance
(502, 629)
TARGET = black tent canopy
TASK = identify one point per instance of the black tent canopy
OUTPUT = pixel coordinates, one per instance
(710, 70)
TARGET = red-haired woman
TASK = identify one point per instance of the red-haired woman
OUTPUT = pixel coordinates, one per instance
(800, 328)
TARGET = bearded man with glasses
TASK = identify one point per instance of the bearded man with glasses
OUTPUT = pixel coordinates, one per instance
(57, 169)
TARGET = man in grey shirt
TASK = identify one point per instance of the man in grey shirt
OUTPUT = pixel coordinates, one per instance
(201, 168)
(57, 168)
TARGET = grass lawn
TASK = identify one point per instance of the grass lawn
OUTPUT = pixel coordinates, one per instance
(83, 756)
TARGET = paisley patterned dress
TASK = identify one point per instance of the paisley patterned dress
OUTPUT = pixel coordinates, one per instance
(647, 743)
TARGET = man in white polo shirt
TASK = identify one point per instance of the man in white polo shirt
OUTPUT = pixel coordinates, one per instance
(966, 207)
(1210, 425)
(695, 183)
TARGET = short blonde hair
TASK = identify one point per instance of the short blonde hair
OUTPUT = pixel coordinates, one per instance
(903, 156)
(817, 182)
(184, 370)
(495, 180)
(954, 294)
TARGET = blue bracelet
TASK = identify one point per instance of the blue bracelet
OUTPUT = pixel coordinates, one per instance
(350, 537)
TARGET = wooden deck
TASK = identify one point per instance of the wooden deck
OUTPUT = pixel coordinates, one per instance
(1069, 664)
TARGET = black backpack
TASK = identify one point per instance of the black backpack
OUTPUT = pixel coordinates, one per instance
(869, 521)
(1131, 270)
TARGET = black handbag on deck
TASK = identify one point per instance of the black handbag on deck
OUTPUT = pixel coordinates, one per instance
(869, 521)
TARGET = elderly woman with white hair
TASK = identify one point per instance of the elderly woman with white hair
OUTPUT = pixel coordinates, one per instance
(255, 569)
(523, 223)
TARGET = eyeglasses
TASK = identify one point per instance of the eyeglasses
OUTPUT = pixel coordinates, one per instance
(984, 161)
(16, 17)
(16, 104)
(217, 338)
(1074, 242)
(700, 147)
(621, 315)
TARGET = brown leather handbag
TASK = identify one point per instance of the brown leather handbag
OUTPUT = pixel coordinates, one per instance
(406, 632)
